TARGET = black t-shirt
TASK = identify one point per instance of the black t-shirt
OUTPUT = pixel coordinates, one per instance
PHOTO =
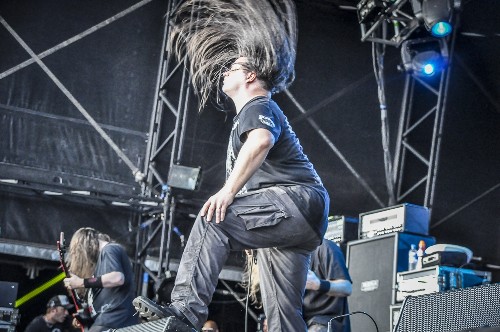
(328, 262)
(38, 324)
(286, 163)
(114, 305)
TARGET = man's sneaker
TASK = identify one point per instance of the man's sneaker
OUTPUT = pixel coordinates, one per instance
(150, 311)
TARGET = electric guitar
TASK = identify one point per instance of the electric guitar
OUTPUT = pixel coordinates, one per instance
(82, 314)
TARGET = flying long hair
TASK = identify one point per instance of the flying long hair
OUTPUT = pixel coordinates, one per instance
(84, 251)
(214, 33)
(251, 279)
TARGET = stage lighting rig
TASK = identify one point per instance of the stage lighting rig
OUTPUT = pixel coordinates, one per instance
(392, 22)
(369, 10)
(424, 57)
(386, 22)
(436, 15)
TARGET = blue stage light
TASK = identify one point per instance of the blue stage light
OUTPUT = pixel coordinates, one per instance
(425, 57)
(441, 29)
(429, 69)
(437, 15)
(427, 63)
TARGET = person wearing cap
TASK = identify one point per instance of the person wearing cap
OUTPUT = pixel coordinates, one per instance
(55, 318)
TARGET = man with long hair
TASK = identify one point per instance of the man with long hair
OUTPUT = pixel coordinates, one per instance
(103, 269)
(273, 200)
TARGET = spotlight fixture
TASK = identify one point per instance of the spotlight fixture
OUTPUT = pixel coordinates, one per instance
(148, 203)
(117, 203)
(81, 192)
(436, 15)
(369, 10)
(424, 57)
(52, 193)
(11, 181)
(184, 177)
(441, 29)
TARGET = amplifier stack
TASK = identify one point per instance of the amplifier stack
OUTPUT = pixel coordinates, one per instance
(438, 279)
(341, 230)
(373, 266)
(378, 264)
(399, 218)
(9, 316)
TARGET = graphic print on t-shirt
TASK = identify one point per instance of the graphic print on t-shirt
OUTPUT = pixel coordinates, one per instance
(231, 155)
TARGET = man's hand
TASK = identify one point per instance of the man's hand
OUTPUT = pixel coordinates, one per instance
(312, 282)
(73, 282)
(338, 287)
(76, 323)
(217, 204)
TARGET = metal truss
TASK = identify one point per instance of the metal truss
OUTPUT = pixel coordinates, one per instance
(392, 26)
(415, 171)
(416, 160)
(166, 136)
(166, 141)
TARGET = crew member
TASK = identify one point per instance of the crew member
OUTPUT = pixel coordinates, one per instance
(327, 288)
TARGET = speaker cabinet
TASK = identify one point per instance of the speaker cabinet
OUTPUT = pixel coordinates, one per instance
(373, 264)
(169, 324)
(468, 309)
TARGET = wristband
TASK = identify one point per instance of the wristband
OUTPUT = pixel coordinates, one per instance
(324, 286)
(92, 282)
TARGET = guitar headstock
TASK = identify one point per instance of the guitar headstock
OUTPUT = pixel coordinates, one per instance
(61, 247)
(61, 244)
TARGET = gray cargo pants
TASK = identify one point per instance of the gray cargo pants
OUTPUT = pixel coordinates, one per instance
(267, 219)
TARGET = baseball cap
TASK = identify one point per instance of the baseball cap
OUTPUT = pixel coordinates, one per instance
(59, 301)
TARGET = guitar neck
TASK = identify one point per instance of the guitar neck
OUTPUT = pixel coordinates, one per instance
(71, 292)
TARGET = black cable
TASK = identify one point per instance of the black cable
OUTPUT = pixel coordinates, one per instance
(350, 314)
(378, 53)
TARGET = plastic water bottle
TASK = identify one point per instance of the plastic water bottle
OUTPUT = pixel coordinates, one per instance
(145, 283)
(412, 258)
(420, 253)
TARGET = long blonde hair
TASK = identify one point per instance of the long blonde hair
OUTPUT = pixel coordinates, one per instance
(84, 251)
(251, 278)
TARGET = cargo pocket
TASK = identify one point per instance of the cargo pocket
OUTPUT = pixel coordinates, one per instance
(262, 215)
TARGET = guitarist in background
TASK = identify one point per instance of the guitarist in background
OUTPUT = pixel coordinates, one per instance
(104, 270)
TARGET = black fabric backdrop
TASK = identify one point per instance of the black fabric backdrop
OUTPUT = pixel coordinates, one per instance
(111, 72)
